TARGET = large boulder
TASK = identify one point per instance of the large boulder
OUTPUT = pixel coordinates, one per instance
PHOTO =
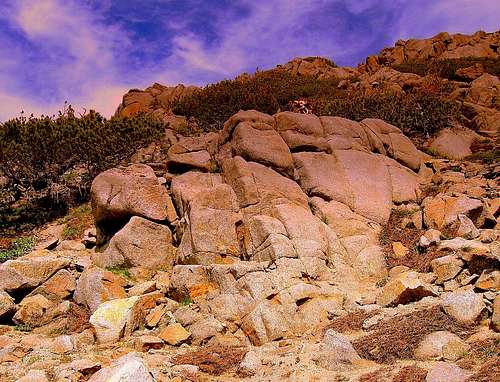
(404, 182)
(484, 91)
(156, 99)
(58, 287)
(140, 243)
(257, 186)
(495, 317)
(128, 368)
(185, 187)
(263, 145)
(452, 145)
(120, 317)
(96, 286)
(34, 376)
(343, 220)
(7, 305)
(174, 334)
(301, 131)
(464, 305)
(446, 268)
(406, 287)
(267, 239)
(252, 116)
(120, 193)
(192, 153)
(389, 140)
(309, 236)
(335, 352)
(354, 178)
(211, 234)
(443, 210)
(441, 345)
(29, 272)
(447, 372)
(32, 310)
(344, 134)
(307, 124)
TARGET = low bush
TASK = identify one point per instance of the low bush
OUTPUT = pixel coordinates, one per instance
(268, 92)
(36, 152)
(398, 337)
(77, 221)
(212, 360)
(50, 161)
(352, 321)
(420, 113)
(121, 271)
(448, 68)
(19, 247)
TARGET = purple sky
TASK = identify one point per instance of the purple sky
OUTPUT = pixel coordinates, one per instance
(90, 52)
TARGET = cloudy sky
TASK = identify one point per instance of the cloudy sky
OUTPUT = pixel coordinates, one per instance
(90, 52)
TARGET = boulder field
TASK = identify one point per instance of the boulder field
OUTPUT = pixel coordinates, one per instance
(287, 247)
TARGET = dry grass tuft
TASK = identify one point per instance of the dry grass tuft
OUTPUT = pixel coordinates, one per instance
(375, 376)
(481, 352)
(489, 372)
(409, 237)
(410, 374)
(398, 337)
(212, 360)
(352, 321)
(77, 221)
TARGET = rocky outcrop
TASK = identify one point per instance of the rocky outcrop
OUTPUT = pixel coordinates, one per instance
(441, 46)
(157, 98)
(129, 368)
(120, 193)
(304, 244)
(26, 273)
(318, 67)
(140, 243)
(96, 286)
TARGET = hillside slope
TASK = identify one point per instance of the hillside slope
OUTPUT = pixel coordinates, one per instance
(289, 246)
(278, 246)
(452, 68)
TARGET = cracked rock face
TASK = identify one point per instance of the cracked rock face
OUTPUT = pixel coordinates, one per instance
(140, 243)
(260, 244)
(120, 193)
(284, 235)
(275, 235)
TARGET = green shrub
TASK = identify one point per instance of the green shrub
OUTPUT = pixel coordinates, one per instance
(24, 328)
(488, 156)
(448, 68)
(77, 221)
(38, 151)
(19, 247)
(416, 114)
(419, 113)
(186, 301)
(267, 92)
(50, 161)
(121, 271)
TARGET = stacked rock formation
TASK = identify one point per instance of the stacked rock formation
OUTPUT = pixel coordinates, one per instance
(266, 250)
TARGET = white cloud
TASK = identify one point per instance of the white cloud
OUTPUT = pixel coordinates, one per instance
(271, 34)
(85, 57)
(11, 106)
(79, 53)
(453, 16)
